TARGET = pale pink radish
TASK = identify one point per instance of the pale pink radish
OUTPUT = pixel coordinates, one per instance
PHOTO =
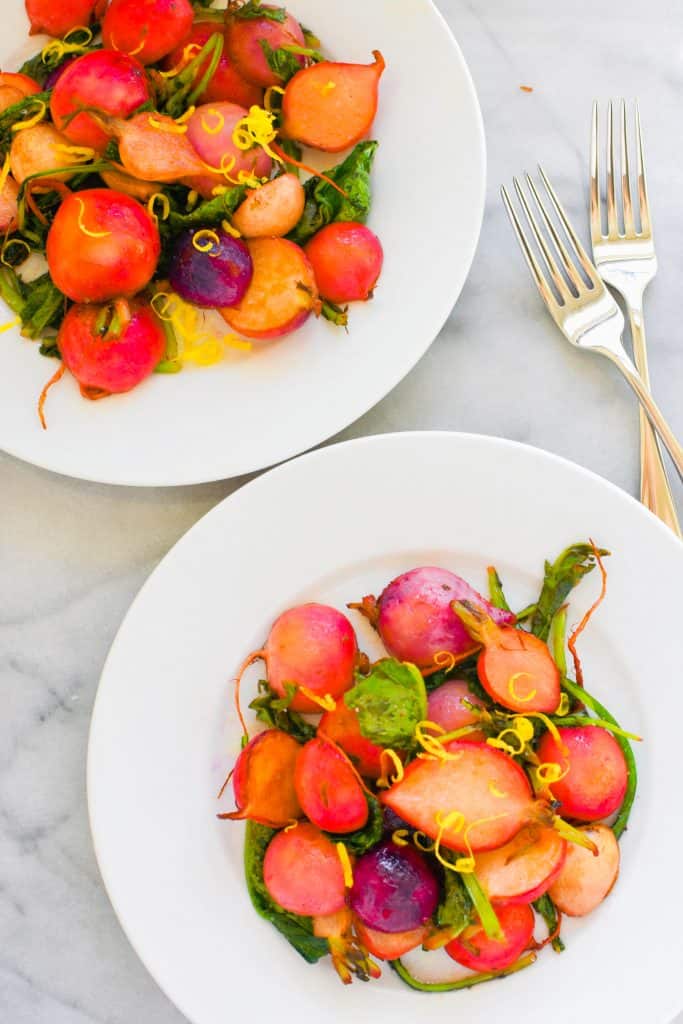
(210, 130)
(524, 868)
(9, 209)
(585, 880)
(446, 707)
(39, 149)
(152, 149)
(596, 774)
(273, 210)
(303, 873)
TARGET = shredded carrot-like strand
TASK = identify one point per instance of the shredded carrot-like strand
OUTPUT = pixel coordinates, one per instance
(345, 861)
(326, 702)
(574, 636)
(56, 376)
(286, 158)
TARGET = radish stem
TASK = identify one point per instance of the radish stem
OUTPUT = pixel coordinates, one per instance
(482, 905)
(450, 986)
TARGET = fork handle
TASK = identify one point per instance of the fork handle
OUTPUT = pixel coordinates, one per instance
(655, 490)
(650, 407)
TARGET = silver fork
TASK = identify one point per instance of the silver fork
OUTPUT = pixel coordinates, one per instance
(577, 300)
(627, 262)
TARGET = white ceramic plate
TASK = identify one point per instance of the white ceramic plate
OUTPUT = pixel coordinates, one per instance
(332, 526)
(257, 409)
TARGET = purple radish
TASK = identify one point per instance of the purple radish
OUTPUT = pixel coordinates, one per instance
(394, 889)
(414, 618)
(210, 268)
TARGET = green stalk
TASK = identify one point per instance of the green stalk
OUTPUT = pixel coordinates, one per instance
(526, 613)
(450, 986)
(556, 639)
(11, 290)
(576, 691)
(600, 723)
(184, 89)
(496, 594)
(548, 911)
(482, 905)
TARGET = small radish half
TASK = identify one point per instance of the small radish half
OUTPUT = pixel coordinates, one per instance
(387, 945)
(303, 873)
(474, 949)
(597, 776)
(329, 789)
(524, 868)
(585, 880)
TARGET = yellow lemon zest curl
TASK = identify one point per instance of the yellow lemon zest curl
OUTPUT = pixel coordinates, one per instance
(31, 122)
(13, 241)
(345, 861)
(59, 48)
(171, 127)
(213, 129)
(195, 342)
(184, 118)
(190, 51)
(4, 173)
(256, 129)
(564, 705)
(455, 822)
(293, 824)
(205, 240)
(549, 772)
(162, 200)
(423, 842)
(389, 759)
(230, 230)
(494, 791)
(268, 96)
(81, 225)
(80, 153)
(432, 747)
(401, 837)
(513, 691)
(327, 702)
(10, 325)
(520, 730)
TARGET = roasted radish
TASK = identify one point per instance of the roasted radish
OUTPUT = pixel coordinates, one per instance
(328, 788)
(303, 873)
(263, 780)
(593, 771)
(585, 880)
(524, 868)
(474, 949)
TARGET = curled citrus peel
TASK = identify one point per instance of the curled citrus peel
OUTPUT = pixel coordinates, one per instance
(345, 862)
(195, 341)
(268, 97)
(219, 123)
(81, 154)
(57, 49)
(81, 225)
(389, 759)
(401, 837)
(433, 748)
(31, 122)
(8, 242)
(292, 825)
(455, 821)
(189, 52)
(12, 323)
(159, 199)
(326, 702)
(205, 240)
(256, 129)
(442, 661)
(230, 229)
(170, 126)
(514, 693)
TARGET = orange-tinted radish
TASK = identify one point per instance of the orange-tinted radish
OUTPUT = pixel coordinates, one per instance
(341, 726)
(303, 873)
(150, 148)
(597, 776)
(8, 97)
(263, 780)
(283, 292)
(226, 83)
(147, 29)
(273, 210)
(585, 880)
(446, 707)
(524, 868)
(331, 106)
(347, 261)
(111, 83)
(485, 785)
(23, 84)
(101, 245)
(328, 788)
(58, 17)
(330, 926)
(111, 350)
(388, 946)
(514, 667)
(9, 209)
(243, 40)
(475, 950)
(41, 148)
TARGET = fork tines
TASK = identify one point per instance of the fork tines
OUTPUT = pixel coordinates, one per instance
(618, 211)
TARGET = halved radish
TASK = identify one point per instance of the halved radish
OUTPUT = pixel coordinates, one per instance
(514, 667)
(273, 210)
(341, 726)
(474, 949)
(263, 780)
(329, 789)
(485, 785)
(524, 868)
(595, 784)
(388, 946)
(9, 205)
(303, 873)
(282, 294)
(585, 880)
(446, 707)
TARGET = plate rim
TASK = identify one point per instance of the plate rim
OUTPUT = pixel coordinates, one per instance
(401, 370)
(397, 437)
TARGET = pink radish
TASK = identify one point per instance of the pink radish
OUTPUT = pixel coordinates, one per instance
(474, 949)
(243, 41)
(303, 873)
(210, 130)
(585, 880)
(9, 209)
(597, 776)
(390, 945)
(446, 707)
(524, 868)
(273, 210)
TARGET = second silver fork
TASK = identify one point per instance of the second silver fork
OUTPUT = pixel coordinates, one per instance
(626, 261)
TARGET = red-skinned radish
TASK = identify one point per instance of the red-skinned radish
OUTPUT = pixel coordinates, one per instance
(146, 29)
(283, 291)
(485, 792)
(387, 945)
(272, 210)
(303, 873)
(226, 83)
(446, 707)
(331, 106)
(514, 667)
(112, 83)
(311, 646)
(263, 780)
(394, 888)
(24, 84)
(585, 880)
(243, 41)
(110, 350)
(596, 774)
(59, 18)
(102, 245)
(475, 950)
(347, 261)
(8, 97)
(341, 726)
(414, 618)
(524, 868)
(328, 788)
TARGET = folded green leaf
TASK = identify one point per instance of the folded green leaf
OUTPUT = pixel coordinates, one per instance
(275, 712)
(297, 930)
(281, 62)
(456, 910)
(390, 702)
(324, 204)
(254, 9)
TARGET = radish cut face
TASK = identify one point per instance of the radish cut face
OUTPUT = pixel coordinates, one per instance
(387, 945)
(488, 789)
(329, 789)
(474, 949)
(585, 880)
(303, 873)
(524, 868)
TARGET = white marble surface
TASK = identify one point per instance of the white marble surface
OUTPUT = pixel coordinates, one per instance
(73, 555)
